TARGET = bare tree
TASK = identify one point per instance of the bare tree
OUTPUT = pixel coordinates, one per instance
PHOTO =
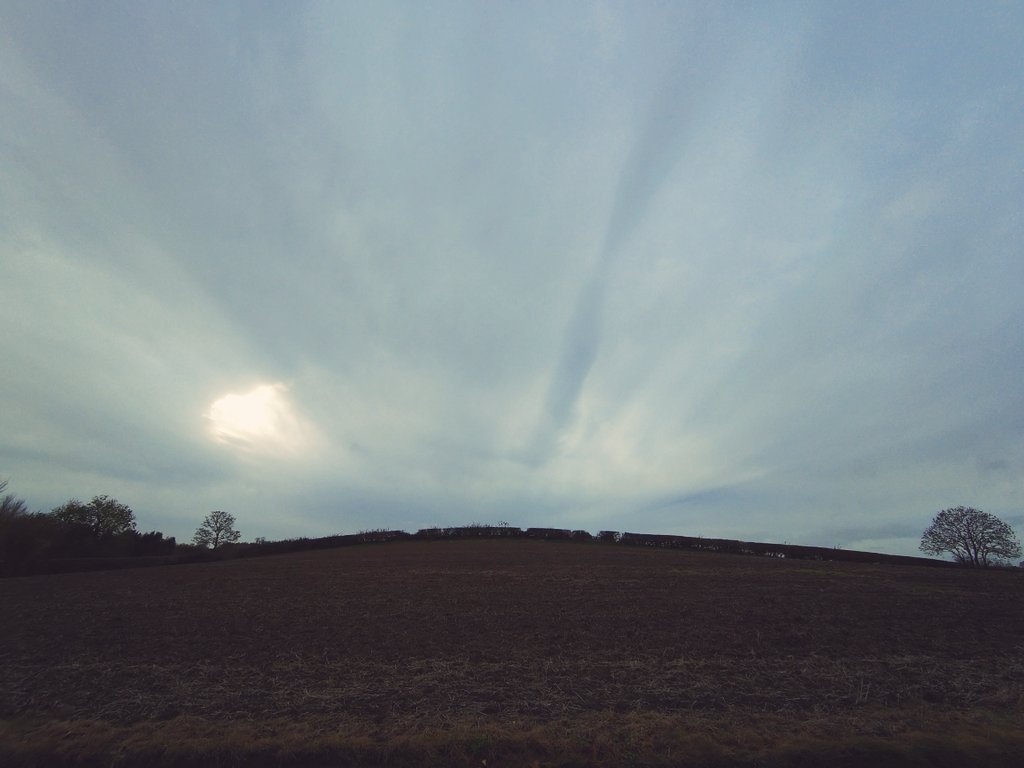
(20, 531)
(973, 537)
(218, 528)
(10, 505)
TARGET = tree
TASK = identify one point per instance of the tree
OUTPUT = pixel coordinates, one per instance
(22, 534)
(153, 543)
(973, 537)
(10, 505)
(218, 528)
(103, 516)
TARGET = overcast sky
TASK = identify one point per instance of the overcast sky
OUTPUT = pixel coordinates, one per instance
(750, 270)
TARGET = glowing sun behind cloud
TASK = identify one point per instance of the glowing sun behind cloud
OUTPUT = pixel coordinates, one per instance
(260, 420)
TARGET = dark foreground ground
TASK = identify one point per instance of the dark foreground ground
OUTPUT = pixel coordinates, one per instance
(513, 653)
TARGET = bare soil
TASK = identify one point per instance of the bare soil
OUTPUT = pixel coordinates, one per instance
(512, 652)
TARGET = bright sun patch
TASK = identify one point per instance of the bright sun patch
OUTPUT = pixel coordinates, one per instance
(262, 419)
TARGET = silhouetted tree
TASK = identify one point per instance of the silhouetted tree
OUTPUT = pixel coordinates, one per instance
(152, 543)
(973, 537)
(23, 534)
(10, 505)
(218, 528)
(103, 516)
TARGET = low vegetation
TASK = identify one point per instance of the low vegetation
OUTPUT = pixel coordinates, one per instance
(514, 650)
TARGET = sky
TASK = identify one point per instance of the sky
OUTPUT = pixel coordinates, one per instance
(744, 270)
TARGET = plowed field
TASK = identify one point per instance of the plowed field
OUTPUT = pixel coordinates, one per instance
(513, 653)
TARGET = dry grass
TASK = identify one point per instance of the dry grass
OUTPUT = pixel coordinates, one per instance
(514, 652)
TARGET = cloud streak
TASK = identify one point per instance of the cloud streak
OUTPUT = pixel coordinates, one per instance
(596, 265)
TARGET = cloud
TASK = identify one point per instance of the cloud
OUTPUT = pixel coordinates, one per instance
(675, 268)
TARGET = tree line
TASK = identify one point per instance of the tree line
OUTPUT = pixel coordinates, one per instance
(105, 528)
(100, 528)
(990, 550)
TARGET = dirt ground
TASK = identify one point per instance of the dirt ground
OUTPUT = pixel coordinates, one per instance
(541, 649)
